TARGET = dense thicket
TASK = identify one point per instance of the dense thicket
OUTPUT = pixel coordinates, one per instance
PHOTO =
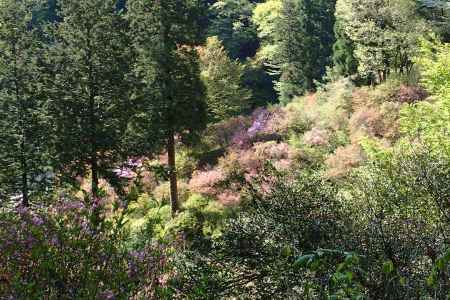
(224, 149)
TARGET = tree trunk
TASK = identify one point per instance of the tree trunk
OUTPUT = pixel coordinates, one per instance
(172, 174)
(25, 200)
(22, 122)
(94, 179)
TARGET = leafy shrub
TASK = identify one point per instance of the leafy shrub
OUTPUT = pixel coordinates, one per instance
(185, 163)
(401, 222)
(61, 253)
(199, 221)
(381, 235)
(254, 256)
(162, 192)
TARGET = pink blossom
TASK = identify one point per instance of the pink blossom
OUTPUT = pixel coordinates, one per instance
(229, 198)
(204, 181)
(316, 137)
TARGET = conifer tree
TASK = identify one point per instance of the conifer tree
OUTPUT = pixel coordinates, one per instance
(344, 61)
(89, 95)
(170, 92)
(305, 34)
(230, 20)
(222, 77)
(22, 120)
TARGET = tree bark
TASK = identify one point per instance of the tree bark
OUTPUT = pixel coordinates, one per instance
(92, 120)
(94, 179)
(22, 122)
(172, 174)
(25, 201)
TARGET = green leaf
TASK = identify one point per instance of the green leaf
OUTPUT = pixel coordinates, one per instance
(388, 267)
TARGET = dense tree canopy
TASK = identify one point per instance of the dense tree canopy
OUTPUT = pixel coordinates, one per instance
(305, 35)
(88, 97)
(24, 149)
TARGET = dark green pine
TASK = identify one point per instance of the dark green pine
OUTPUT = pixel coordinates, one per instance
(23, 121)
(171, 94)
(89, 94)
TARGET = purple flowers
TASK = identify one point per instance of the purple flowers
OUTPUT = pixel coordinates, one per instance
(129, 169)
(107, 295)
(265, 126)
(37, 221)
(261, 118)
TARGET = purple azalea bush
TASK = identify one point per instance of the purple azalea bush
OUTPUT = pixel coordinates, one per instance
(60, 253)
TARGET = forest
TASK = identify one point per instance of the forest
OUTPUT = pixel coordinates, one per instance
(224, 149)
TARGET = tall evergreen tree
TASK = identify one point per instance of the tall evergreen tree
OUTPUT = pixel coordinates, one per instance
(22, 120)
(89, 95)
(344, 61)
(230, 20)
(305, 35)
(222, 77)
(171, 92)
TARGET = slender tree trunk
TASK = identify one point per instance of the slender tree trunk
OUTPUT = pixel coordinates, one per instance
(25, 200)
(92, 122)
(94, 179)
(94, 159)
(172, 174)
(22, 122)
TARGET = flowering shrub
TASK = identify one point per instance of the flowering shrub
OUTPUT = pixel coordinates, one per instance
(376, 122)
(316, 137)
(225, 181)
(61, 253)
(204, 182)
(344, 160)
(266, 125)
(367, 121)
(224, 132)
(410, 94)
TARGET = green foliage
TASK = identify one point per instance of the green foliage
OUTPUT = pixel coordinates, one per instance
(261, 243)
(343, 283)
(395, 196)
(226, 97)
(88, 88)
(170, 95)
(199, 221)
(344, 62)
(266, 16)
(430, 120)
(304, 27)
(384, 34)
(230, 20)
(24, 144)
